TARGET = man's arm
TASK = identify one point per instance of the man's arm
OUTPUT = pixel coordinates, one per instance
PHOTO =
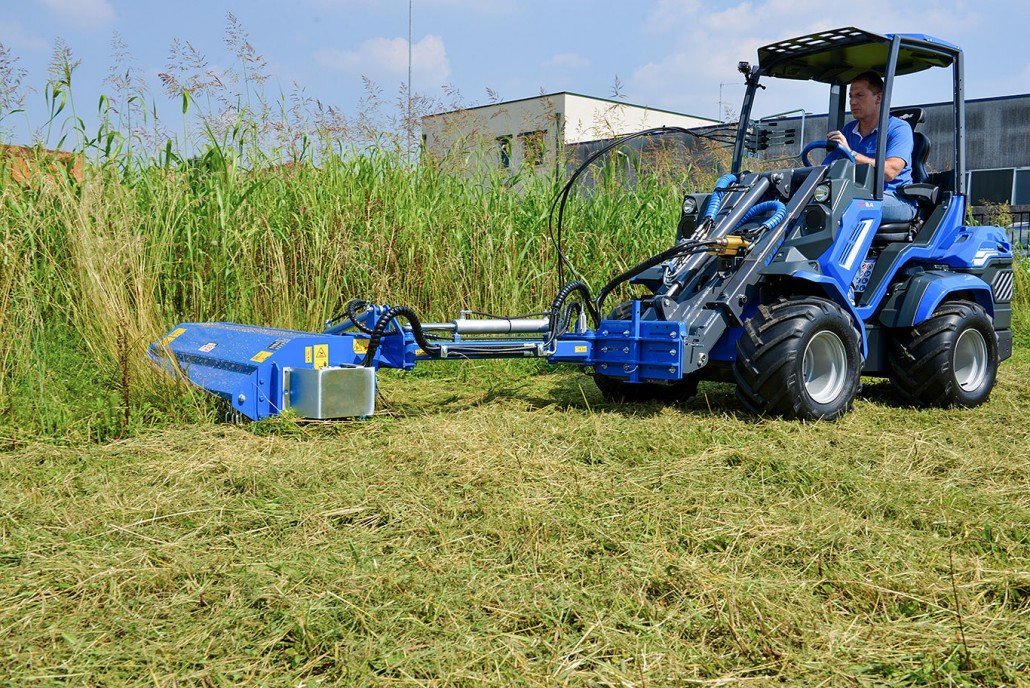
(842, 143)
(891, 169)
(900, 147)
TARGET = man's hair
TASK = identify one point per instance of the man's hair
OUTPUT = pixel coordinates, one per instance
(873, 79)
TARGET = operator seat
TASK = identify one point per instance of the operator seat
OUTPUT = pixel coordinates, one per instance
(924, 193)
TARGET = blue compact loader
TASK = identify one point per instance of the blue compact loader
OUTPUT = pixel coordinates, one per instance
(784, 282)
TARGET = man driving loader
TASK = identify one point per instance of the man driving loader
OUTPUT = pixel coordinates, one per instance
(859, 136)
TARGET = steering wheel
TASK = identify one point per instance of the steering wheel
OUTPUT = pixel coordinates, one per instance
(828, 145)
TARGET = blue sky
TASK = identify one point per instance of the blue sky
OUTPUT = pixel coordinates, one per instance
(671, 54)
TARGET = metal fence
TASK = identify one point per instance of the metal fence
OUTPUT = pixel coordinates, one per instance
(1017, 221)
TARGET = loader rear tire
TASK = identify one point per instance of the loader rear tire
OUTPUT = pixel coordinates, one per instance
(617, 391)
(799, 358)
(951, 359)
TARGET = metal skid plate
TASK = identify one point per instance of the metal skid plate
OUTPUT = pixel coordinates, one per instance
(322, 393)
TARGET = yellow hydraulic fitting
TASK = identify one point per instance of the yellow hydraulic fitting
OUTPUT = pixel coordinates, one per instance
(729, 246)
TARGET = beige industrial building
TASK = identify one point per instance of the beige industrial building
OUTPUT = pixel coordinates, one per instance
(527, 133)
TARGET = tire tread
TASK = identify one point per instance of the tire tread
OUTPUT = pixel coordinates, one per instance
(767, 352)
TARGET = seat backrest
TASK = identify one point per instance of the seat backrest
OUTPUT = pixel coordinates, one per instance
(913, 116)
(920, 154)
(920, 144)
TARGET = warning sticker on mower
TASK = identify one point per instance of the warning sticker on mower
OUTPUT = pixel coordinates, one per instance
(208, 348)
(360, 346)
(260, 356)
(321, 356)
(581, 349)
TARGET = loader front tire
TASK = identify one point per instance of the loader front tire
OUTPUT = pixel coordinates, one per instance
(951, 359)
(798, 358)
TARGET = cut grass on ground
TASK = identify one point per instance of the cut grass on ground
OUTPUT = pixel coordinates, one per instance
(521, 532)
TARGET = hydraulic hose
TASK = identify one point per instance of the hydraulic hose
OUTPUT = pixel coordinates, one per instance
(715, 201)
(560, 317)
(561, 199)
(384, 321)
(677, 250)
(352, 314)
(777, 208)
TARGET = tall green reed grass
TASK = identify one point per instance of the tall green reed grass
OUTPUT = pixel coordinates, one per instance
(98, 270)
(257, 207)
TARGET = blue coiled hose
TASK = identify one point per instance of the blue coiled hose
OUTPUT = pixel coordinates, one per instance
(715, 201)
(778, 210)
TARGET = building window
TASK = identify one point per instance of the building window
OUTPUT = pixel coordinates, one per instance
(1021, 194)
(504, 148)
(533, 147)
(991, 186)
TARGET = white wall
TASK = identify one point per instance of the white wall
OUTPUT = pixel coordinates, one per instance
(590, 119)
(470, 136)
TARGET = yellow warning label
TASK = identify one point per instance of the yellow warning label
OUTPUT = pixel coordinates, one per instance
(307, 354)
(420, 352)
(360, 346)
(581, 349)
(260, 356)
(172, 336)
(321, 356)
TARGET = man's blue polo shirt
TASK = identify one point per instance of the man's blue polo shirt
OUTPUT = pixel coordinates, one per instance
(899, 145)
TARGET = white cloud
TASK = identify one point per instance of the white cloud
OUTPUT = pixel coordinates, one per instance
(480, 6)
(88, 14)
(420, 6)
(387, 58)
(707, 45)
(566, 61)
(672, 15)
(17, 37)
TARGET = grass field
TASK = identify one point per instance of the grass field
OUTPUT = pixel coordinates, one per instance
(503, 526)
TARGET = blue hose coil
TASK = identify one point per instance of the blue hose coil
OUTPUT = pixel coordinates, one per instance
(715, 201)
(778, 210)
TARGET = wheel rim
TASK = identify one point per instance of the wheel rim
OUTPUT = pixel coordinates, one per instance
(970, 360)
(824, 367)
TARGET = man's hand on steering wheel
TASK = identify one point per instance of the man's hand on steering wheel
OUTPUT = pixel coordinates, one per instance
(841, 140)
(828, 145)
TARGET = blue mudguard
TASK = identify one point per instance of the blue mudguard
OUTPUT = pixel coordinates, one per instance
(916, 301)
(831, 288)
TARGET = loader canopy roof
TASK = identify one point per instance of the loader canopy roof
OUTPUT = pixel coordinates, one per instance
(839, 55)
